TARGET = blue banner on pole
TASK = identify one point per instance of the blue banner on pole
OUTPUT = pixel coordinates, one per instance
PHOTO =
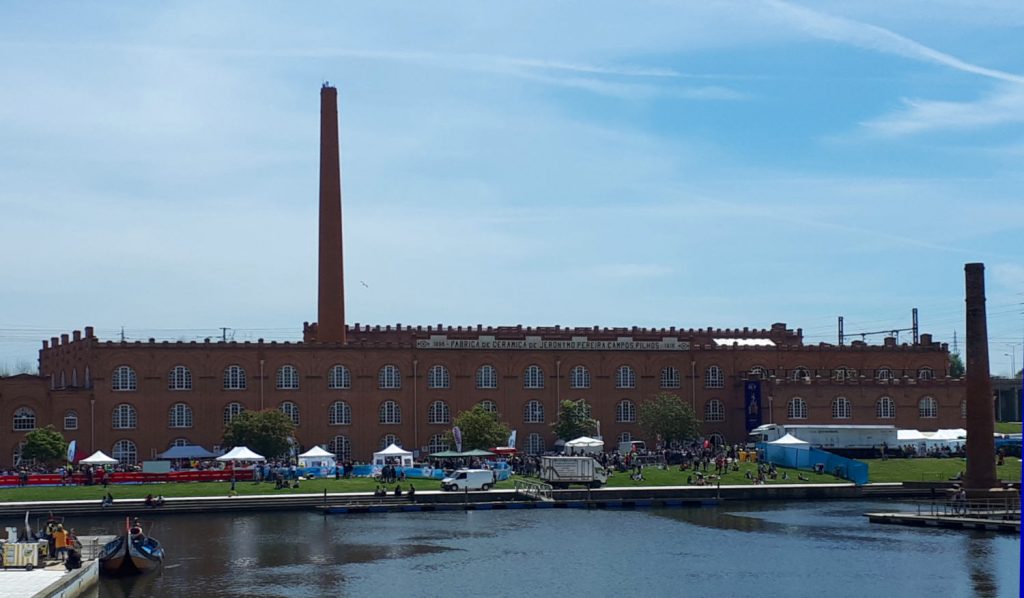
(752, 403)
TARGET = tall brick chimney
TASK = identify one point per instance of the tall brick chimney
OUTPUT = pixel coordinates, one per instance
(981, 466)
(331, 297)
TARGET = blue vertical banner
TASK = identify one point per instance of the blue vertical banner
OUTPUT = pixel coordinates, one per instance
(457, 435)
(752, 403)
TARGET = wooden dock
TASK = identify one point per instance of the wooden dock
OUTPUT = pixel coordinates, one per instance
(951, 522)
(995, 515)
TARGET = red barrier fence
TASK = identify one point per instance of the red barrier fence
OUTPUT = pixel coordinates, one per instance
(54, 479)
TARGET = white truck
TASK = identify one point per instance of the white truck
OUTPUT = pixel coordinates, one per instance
(562, 471)
(469, 479)
(849, 440)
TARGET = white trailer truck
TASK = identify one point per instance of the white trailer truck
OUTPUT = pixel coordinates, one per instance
(562, 471)
(848, 440)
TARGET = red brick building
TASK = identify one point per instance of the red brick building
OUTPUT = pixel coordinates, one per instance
(357, 388)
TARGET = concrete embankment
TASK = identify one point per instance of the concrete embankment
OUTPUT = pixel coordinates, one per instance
(272, 502)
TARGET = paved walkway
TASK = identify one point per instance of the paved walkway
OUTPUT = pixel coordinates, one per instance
(15, 583)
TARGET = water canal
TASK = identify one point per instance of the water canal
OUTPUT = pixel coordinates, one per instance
(738, 549)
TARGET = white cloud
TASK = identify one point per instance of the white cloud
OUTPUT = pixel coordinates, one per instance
(873, 37)
(918, 116)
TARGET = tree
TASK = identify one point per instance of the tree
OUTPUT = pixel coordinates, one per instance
(667, 418)
(574, 420)
(480, 429)
(956, 366)
(45, 445)
(266, 432)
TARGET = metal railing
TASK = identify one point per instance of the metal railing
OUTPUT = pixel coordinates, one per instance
(1007, 508)
(533, 490)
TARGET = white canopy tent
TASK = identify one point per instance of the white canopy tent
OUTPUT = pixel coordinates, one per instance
(241, 453)
(584, 444)
(393, 453)
(791, 441)
(98, 458)
(316, 457)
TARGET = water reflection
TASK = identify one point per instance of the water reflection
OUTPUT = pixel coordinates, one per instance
(980, 565)
(793, 549)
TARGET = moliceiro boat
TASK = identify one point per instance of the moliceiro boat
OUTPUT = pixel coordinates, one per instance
(134, 552)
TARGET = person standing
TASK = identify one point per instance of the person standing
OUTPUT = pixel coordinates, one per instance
(60, 542)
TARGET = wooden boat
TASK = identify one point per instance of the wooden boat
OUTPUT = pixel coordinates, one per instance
(134, 552)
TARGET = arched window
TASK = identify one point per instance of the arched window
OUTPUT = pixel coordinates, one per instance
(487, 377)
(71, 420)
(339, 378)
(125, 417)
(534, 444)
(713, 377)
(389, 378)
(488, 406)
(625, 411)
(390, 413)
(180, 442)
(287, 378)
(883, 374)
(758, 372)
(180, 416)
(341, 447)
(533, 377)
(716, 439)
(925, 374)
(389, 439)
(579, 377)
(963, 409)
(125, 452)
(74, 377)
(291, 410)
(234, 378)
(800, 373)
(670, 377)
(231, 411)
(24, 419)
(179, 378)
(841, 408)
(339, 414)
(88, 378)
(533, 413)
(63, 380)
(625, 437)
(437, 377)
(928, 408)
(885, 408)
(625, 377)
(124, 379)
(796, 408)
(437, 444)
(714, 411)
(438, 413)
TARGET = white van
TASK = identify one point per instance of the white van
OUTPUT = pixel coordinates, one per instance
(472, 479)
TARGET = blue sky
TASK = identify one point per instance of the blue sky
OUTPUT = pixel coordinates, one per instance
(684, 164)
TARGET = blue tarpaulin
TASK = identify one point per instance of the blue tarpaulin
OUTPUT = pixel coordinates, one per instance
(803, 457)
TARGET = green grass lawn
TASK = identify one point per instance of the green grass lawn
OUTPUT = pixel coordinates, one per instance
(652, 475)
(890, 470)
(1008, 427)
(930, 469)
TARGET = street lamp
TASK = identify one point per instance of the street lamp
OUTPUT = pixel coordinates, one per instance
(1013, 362)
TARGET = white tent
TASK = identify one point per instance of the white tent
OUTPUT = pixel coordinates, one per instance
(584, 444)
(792, 441)
(98, 458)
(240, 453)
(394, 453)
(316, 457)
